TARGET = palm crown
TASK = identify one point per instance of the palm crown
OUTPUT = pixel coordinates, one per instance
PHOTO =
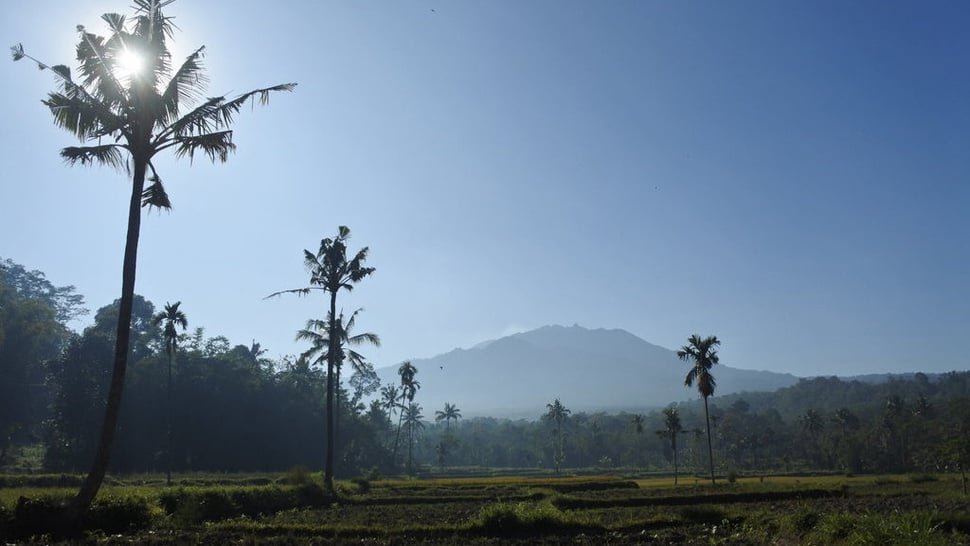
(142, 111)
(703, 355)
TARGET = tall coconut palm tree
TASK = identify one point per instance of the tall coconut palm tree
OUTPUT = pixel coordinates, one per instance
(450, 412)
(557, 413)
(173, 318)
(702, 354)
(316, 332)
(412, 420)
(332, 271)
(672, 428)
(409, 388)
(128, 116)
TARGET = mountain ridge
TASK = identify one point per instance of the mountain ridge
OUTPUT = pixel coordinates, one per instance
(588, 369)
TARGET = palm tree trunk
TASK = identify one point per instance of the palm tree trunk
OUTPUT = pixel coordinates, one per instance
(410, 448)
(673, 444)
(92, 483)
(397, 437)
(331, 360)
(710, 448)
(168, 415)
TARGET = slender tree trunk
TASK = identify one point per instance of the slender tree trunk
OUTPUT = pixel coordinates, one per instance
(673, 444)
(331, 361)
(92, 483)
(410, 448)
(168, 450)
(710, 448)
(397, 437)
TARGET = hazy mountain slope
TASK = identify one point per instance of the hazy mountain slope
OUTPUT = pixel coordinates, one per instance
(587, 369)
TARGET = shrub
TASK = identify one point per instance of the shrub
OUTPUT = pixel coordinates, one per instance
(700, 514)
(297, 475)
(923, 478)
(114, 514)
(802, 520)
(526, 518)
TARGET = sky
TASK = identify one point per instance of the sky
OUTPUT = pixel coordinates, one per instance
(791, 177)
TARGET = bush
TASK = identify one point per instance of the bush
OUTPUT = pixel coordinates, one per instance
(526, 518)
(194, 506)
(923, 478)
(116, 514)
(297, 475)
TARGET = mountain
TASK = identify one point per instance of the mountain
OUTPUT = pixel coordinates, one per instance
(588, 370)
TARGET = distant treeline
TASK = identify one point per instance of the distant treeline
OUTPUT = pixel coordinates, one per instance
(236, 410)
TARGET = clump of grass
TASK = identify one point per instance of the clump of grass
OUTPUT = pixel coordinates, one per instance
(900, 529)
(923, 478)
(528, 518)
(701, 514)
(297, 475)
(802, 520)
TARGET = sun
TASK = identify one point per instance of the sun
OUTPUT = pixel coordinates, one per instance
(128, 64)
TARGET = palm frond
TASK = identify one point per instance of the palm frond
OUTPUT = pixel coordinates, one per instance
(155, 195)
(82, 116)
(214, 145)
(18, 52)
(96, 66)
(186, 85)
(297, 291)
(217, 113)
(116, 21)
(108, 154)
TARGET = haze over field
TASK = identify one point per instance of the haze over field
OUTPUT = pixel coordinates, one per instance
(789, 177)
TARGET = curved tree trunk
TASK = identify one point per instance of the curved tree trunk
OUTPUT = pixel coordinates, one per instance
(92, 483)
(710, 448)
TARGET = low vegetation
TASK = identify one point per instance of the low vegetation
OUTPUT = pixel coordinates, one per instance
(215, 509)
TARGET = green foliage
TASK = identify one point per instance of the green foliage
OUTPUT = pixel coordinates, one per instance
(701, 514)
(802, 520)
(192, 506)
(297, 475)
(908, 529)
(527, 518)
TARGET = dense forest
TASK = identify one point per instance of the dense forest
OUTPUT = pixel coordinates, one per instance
(233, 409)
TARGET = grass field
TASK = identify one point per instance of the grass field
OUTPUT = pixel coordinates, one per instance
(917, 510)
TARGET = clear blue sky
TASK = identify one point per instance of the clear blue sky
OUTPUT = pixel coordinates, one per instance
(792, 177)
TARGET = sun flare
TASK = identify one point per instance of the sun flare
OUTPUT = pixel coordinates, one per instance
(128, 63)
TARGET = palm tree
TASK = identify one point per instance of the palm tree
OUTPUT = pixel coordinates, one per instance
(389, 397)
(316, 333)
(450, 412)
(173, 318)
(701, 352)
(557, 413)
(412, 419)
(409, 388)
(128, 117)
(331, 271)
(672, 428)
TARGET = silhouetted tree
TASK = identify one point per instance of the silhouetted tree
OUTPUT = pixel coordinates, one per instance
(316, 332)
(412, 419)
(557, 413)
(330, 271)
(450, 412)
(409, 388)
(672, 428)
(138, 114)
(173, 318)
(702, 354)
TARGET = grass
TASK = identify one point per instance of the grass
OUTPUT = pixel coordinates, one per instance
(268, 509)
